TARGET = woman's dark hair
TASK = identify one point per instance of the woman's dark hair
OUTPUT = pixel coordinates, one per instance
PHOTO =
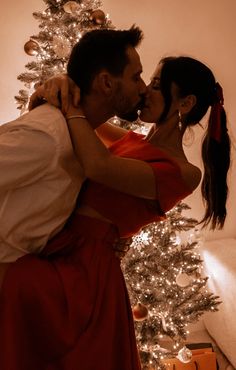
(194, 78)
(101, 49)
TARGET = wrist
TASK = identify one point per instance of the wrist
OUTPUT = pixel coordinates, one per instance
(74, 111)
(75, 116)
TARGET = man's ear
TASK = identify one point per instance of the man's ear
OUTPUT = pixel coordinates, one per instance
(187, 104)
(105, 82)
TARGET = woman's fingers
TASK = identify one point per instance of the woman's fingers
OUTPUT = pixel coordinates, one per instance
(47, 92)
(36, 99)
(56, 91)
(53, 91)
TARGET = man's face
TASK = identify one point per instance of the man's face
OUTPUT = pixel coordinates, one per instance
(130, 89)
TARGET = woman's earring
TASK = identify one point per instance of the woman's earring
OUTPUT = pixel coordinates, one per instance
(180, 125)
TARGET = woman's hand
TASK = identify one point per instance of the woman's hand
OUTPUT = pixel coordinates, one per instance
(56, 91)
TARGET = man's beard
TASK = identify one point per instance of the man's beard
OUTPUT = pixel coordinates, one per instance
(130, 116)
(123, 110)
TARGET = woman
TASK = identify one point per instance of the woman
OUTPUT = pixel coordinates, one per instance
(76, 290)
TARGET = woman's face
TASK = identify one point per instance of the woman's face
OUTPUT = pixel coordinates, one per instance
(154, 104)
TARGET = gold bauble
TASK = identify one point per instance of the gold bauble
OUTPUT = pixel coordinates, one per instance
(71, 7)
(31, 47)
(98, 16)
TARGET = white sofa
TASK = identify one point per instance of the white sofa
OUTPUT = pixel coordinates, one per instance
(220, 327)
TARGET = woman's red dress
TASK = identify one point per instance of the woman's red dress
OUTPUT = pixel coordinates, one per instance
(68, 309)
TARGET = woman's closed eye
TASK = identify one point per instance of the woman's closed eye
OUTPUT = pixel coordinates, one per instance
(155, 84)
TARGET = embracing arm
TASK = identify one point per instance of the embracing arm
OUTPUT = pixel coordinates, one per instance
(127, 175)
(56, 91)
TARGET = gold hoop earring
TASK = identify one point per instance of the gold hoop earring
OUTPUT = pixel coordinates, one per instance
(180, 125)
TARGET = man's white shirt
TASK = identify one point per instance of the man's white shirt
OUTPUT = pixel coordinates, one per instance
(40, 179)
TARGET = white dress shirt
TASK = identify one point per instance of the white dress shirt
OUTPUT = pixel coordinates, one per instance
(40, 179)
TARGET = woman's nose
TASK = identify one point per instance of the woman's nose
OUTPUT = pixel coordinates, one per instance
(143, 88)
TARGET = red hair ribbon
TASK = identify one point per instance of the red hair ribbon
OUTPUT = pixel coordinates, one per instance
(215, 115)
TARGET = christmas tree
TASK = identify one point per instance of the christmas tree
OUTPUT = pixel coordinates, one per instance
(163, 275)
(166, 287)
(61, 25)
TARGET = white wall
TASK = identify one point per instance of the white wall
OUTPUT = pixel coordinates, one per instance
(204, 29)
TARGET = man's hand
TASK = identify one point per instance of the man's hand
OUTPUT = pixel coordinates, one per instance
(56, 91)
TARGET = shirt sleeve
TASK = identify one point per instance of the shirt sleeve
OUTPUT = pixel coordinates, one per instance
(25, 155)
(170, 186)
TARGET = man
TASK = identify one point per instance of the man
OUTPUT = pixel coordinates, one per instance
(41, 177)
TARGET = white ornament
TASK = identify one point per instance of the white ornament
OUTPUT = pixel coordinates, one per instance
(182, 279)
(184, 355)
(71, 7)
(163, 322)
(61, 46)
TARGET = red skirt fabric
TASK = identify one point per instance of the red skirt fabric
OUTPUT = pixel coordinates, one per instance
(69, 308)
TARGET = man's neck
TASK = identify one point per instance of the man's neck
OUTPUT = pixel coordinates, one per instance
(96, 110)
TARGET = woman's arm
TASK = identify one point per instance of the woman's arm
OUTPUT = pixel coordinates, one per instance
(130, 176)
(56, 91)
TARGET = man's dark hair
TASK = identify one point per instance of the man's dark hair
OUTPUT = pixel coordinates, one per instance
(98, 50)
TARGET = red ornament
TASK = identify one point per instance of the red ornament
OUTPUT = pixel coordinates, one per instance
(140, 312)
(98, 17)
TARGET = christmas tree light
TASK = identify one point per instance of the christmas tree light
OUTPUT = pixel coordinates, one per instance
(166, 287)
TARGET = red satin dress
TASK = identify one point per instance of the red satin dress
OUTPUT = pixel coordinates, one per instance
(68, 309)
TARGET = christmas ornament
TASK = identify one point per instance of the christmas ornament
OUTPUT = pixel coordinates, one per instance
(163, 322)
(71, 7)
(98, 16)
(61, 46)
(140, 312)
(184, 355)
(182, 280)
(31, 47)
